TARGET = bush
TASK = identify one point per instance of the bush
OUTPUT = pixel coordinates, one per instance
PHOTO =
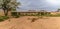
(5, 17)
(15, 14)
(34, 19)
(2, 18)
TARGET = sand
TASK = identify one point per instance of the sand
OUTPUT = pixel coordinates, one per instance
(25, 23)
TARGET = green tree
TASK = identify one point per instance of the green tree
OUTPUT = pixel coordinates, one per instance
(7, 5)
(58, 10)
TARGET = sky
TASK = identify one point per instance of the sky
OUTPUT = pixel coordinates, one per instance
(49, 5)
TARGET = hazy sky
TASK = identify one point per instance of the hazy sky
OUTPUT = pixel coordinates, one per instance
(50, 5)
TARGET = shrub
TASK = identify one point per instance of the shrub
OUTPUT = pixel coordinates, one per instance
(15, 14)
(34, 19)
(5, 17)
(2, 18)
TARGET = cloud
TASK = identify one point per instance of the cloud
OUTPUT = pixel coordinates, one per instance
(37, 4)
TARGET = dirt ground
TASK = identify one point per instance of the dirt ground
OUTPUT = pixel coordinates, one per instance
(25, 23)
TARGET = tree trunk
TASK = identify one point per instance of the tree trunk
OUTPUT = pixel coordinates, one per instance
(5, 12)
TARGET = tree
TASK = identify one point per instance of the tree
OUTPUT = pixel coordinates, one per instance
(58, 10)
(7, 5)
